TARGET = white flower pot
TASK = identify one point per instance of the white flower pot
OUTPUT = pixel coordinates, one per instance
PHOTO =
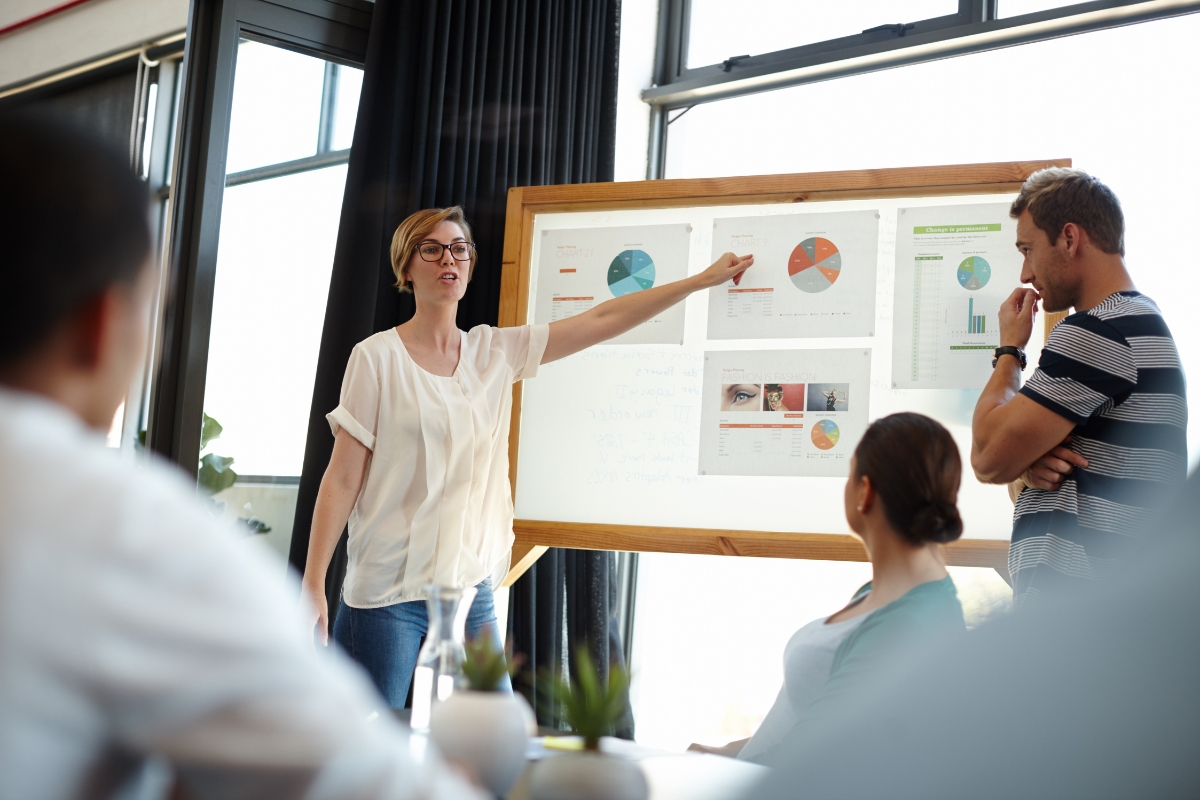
(486, 730)
(587, 776)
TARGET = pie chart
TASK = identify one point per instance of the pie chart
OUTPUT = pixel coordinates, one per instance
(825, 434)
(815, 265)
(974, 273)
(629, 272)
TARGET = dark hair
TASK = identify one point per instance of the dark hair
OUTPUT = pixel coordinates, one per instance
(1058, 195)
(913, 464)
(73, 222)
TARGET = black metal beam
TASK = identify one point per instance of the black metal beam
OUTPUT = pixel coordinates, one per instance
(307, 164)
(177, 396)
(330, 29)
(928, 40)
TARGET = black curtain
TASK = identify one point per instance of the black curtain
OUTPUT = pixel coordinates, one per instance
(461, 100)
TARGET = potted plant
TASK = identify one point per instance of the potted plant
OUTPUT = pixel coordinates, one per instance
(482, 724)
(591, 710)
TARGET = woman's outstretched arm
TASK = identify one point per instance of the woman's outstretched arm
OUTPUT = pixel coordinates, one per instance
(614, 317)
(339, 490)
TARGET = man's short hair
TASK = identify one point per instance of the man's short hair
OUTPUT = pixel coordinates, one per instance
(1058, 195)
(74, 221)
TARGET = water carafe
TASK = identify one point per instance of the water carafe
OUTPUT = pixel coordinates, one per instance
(439, 664)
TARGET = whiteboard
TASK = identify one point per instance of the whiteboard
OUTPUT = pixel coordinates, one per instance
(611, 435)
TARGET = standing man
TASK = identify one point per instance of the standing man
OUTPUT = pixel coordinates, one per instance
(1098, 432)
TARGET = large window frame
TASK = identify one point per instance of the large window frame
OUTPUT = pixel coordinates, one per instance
(976, 27)
(333, 30)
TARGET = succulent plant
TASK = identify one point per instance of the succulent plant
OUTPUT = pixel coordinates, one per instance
(485, 664)
(588, 707)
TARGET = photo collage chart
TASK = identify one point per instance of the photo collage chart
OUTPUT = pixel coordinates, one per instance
(795, 413)
(645, 417)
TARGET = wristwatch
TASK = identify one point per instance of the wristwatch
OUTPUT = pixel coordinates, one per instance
(1008, 350)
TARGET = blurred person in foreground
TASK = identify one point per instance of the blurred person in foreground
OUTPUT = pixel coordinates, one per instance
(133, 627)
(1093, 697)
(900, 502)
(1097, 436)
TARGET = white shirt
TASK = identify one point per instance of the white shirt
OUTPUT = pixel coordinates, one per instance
(807, 661)
(132, 625)
(436, 505)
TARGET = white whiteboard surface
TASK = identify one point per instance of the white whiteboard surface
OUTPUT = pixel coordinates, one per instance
(611, 435)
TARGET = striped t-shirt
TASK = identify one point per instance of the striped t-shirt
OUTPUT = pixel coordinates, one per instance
(1113, 371)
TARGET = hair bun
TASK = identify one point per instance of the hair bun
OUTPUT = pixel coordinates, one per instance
(938, 521)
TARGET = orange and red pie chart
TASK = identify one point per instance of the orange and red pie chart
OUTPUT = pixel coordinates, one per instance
(825, 434)
(815, 265)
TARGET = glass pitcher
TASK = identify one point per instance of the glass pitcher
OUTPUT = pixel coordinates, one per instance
(439, 664)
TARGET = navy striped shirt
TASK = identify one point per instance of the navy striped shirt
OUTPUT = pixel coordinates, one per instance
(1113, 371)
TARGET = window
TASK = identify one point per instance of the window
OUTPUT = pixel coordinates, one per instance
(279, 224)
(710, 633)
(720, 29)
(1121, 118)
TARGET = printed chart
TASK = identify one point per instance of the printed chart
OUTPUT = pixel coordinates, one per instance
(577, 269)
(815, 265)
(813, 276)
(955, 265)
(631, 271)
(825, 434)
(974, 273)
(783, 412)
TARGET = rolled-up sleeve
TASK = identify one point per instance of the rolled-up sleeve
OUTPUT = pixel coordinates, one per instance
(523, 348)
(358, 406)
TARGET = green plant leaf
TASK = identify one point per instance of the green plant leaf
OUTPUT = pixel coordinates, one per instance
(209, 429)
(215, 474)
(486, 665)
(589, 708)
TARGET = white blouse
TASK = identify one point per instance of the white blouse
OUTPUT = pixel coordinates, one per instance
(436, 505)
(807, 662)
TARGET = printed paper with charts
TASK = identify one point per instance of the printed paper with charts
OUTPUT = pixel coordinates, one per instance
(580, 269)
(783, 412)
(813, 276)
(955, 265)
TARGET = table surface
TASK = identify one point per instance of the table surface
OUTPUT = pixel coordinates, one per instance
(673, 776)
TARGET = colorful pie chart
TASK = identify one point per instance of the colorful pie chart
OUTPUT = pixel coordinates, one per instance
(815, 265)
(825, 434)
(629, 272)
(974, 273)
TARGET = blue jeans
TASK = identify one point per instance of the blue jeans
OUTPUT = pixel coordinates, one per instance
(386, 640)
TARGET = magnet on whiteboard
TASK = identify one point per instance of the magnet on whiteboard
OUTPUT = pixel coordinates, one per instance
(689, 228)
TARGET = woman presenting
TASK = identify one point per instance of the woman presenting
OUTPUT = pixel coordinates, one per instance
(419, 470)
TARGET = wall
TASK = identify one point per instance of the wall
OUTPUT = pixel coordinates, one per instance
(80, 34)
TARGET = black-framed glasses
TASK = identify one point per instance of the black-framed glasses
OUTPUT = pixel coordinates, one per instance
(432, 251)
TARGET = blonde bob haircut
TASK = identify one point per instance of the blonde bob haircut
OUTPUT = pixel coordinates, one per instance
(417, 228)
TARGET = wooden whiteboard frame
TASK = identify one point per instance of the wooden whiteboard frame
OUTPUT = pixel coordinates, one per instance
(534, 536)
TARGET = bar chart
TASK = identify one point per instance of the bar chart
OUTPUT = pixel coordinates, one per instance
(976, 323)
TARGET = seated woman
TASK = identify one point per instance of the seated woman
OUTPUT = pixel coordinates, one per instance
(900, 501)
